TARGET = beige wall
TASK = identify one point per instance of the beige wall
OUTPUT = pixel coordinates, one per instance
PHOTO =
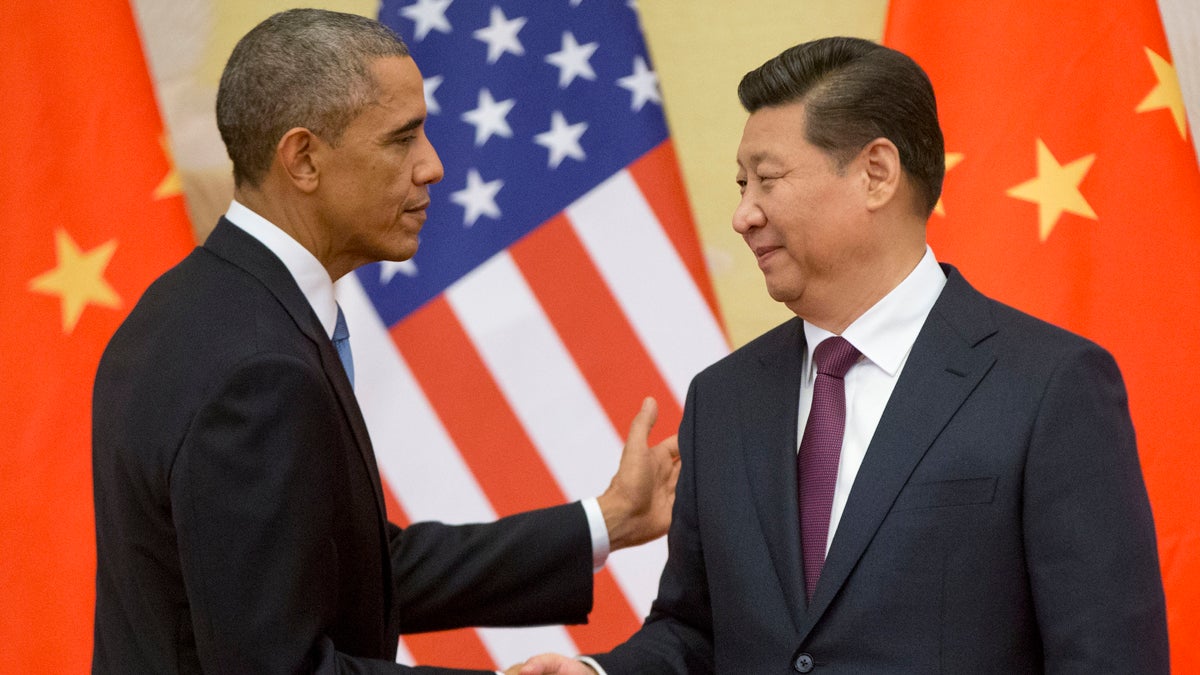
(700, 48)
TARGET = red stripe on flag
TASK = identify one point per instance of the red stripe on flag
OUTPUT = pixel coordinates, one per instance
(617, 367)
(658, 177)
(495, 446)
(448, 649)
(459, 648)
(474, 411)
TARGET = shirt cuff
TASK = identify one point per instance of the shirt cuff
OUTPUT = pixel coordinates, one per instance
(592, 662)
(599, 530)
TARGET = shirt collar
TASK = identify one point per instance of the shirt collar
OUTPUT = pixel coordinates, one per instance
(885, 333)
(310, 275)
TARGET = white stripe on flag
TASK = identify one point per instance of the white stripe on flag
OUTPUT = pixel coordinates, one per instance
(537, 375)
(551, 399)
(513, 645)
(648, 279)
(411, 445)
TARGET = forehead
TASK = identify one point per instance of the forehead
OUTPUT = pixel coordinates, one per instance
(774, 132)
(399, 90)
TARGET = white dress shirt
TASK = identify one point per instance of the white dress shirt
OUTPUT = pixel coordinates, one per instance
(884, 334)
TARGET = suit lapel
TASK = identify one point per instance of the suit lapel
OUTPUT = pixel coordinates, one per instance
(769, 403)
(239, 248)
(944, 367)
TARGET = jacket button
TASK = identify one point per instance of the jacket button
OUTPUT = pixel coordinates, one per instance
(804, 663)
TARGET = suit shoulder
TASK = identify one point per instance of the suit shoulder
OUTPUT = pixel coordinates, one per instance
(979, 319)
(762, 349)
(1027, 330)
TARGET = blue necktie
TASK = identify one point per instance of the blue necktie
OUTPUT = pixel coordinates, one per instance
(341, 340)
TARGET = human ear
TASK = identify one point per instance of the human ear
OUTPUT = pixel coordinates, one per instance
(295, 154)
(883, 170)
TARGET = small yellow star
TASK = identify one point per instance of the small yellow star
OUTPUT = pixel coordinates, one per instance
(1056, 189)
(952, 160)
(79, 278)
(1166, 94)
(171, 185)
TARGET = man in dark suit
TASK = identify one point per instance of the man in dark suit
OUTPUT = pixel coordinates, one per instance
(983, 508)
(240, 517)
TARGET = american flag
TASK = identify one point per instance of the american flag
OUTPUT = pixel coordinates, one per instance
(559, 281)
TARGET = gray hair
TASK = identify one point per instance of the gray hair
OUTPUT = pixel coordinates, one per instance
(305, 68)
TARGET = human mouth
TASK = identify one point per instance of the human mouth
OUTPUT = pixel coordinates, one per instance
(762, 253)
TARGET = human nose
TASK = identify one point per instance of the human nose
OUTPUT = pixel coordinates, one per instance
(747, 215)
(428, 169)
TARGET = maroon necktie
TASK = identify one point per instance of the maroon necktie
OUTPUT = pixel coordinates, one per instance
(820, 449)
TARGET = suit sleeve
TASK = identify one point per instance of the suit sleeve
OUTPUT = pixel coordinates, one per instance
(255, 531)
(1089, 534)
(677, 636)
(529, 569)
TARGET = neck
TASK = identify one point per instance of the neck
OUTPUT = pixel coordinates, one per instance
(842, 305)
(290, 217)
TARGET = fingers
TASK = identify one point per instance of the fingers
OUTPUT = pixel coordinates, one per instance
(550, 664)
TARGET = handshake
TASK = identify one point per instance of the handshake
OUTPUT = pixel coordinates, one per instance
(552, 664)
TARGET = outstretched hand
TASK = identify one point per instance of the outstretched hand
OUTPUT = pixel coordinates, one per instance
(551, 664)
(637, 504)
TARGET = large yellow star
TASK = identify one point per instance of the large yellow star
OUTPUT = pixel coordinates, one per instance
(952, 160)
(171, 185)
(1166, 94)
(1056, 189)
(79, 278)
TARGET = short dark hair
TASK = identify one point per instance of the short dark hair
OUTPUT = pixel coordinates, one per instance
(855, 91)
(300, 68)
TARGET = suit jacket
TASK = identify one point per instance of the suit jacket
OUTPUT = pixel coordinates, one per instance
(999, 522)
(240, 521)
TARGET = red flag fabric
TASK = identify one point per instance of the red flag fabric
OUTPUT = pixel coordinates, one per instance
(91, 214)
(1073, 193)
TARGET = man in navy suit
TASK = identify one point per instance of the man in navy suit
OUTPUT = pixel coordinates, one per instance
(987, 509)
(240, 521)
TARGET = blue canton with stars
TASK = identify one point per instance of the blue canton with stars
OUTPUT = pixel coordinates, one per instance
(532, 103)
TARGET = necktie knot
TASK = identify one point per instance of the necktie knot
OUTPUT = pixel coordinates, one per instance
(834, 357)
(341, 342)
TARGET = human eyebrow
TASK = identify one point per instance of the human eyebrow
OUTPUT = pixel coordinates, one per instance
(407, 128)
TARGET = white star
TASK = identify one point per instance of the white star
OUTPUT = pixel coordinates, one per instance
(488, 117)
(643, 83)
(562, 140)
(428, 15)
(431, 85)
(478, 198)
(389, 268)
(501, 35)
(575, 3)
(572, 60)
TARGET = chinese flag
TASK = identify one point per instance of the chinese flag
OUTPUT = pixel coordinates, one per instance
(1073, 193)
(91, 212)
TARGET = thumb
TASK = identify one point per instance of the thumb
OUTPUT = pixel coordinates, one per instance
(639, 429)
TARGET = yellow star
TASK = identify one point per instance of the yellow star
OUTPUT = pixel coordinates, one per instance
(171, 185)
(79, 278)
(1166, 94)
(952, 160)
(1056, 189)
